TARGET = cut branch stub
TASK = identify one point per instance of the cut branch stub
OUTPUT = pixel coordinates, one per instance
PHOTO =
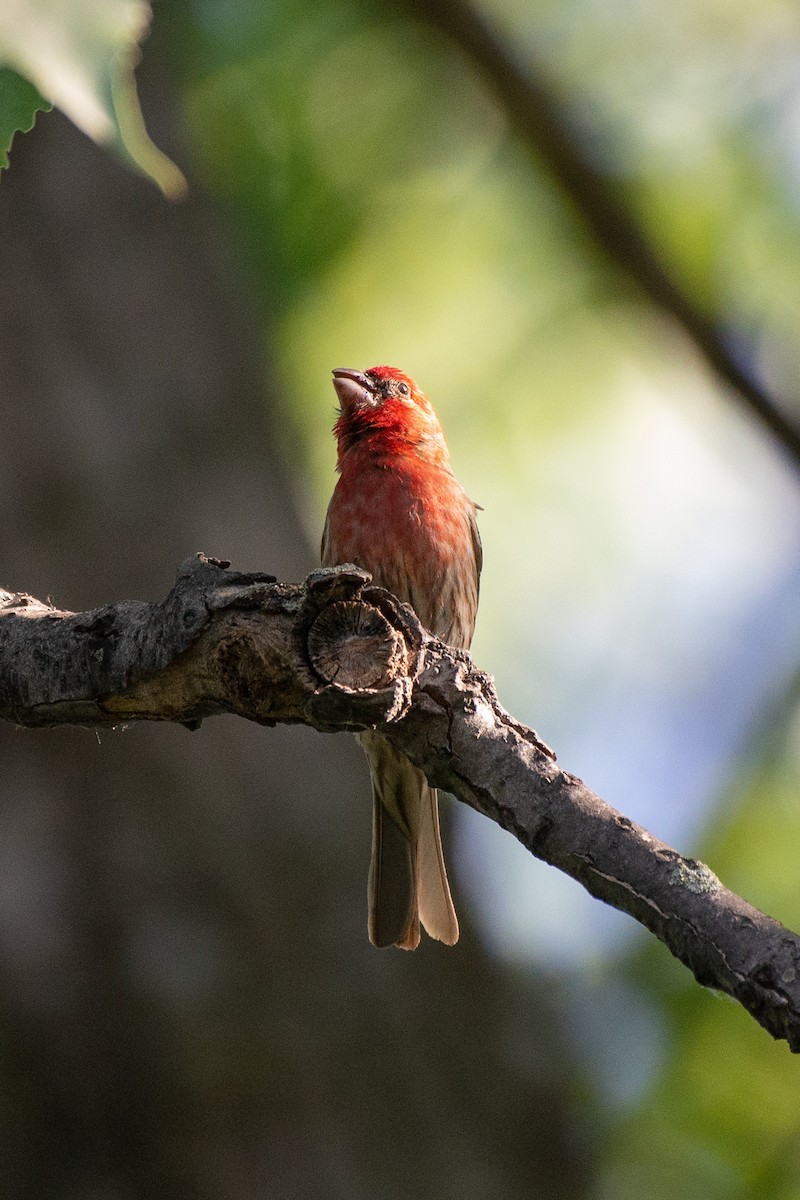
(366, 650)
(353, 645)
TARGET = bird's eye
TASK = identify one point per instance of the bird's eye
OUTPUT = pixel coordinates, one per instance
(402, 389)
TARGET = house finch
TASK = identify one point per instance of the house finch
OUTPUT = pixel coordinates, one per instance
(399, 512)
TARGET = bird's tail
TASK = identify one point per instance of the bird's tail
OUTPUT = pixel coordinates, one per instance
(407, 879)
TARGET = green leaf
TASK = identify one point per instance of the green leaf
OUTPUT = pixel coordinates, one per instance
(81, 55)
(19, 104)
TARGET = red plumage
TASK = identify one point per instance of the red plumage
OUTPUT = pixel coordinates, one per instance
(399, 512)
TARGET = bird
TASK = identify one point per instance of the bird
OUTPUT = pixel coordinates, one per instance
(399, 512)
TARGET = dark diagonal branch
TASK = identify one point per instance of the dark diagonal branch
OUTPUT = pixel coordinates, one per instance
(339, 654)
(543, 127)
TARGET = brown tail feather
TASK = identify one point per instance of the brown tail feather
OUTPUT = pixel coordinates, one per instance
(436, 909)
(392, 883)
(408, 880)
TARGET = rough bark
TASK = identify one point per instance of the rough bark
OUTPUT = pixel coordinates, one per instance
(337, 653)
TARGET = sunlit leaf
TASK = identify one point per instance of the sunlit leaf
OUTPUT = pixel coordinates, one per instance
(81, 55)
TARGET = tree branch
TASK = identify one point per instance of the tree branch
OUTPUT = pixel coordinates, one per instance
(337, 653)
(542, 125)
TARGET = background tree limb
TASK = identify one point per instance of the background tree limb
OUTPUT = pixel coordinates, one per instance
(337, 653)
(543, 125)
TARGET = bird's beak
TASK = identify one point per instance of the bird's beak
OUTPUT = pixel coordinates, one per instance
(354, 389)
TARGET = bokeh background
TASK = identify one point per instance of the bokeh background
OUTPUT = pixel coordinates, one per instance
(189, 1004)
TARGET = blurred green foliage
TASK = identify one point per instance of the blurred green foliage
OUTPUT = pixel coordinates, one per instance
(19, 104)
(722, 1118)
